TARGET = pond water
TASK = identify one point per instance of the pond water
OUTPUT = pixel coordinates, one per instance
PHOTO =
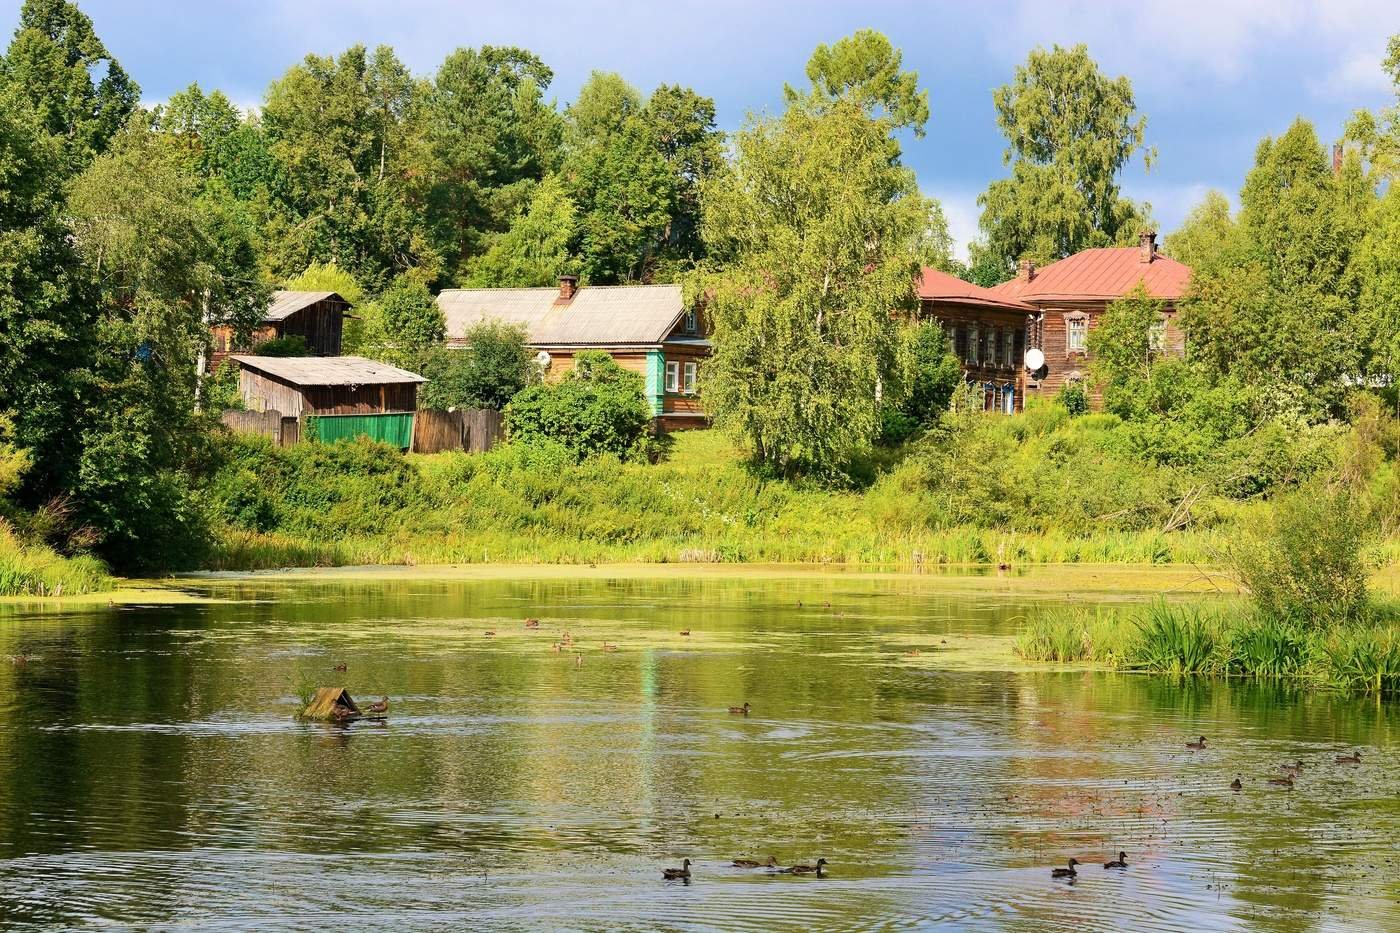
(153, 773)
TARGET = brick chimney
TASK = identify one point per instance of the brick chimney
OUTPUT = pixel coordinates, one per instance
(568, 287)
(1336, 160)
(1025, 270)
(1147, 246)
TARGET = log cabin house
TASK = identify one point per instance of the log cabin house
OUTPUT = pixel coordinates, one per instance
(1070, 296)
(342, 396)
(988, 333)
(316, 317)
(646, 328)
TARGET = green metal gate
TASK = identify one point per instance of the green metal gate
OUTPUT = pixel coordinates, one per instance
(393, 428)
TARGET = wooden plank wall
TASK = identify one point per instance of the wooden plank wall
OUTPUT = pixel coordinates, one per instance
(475, 430)
(266, 423)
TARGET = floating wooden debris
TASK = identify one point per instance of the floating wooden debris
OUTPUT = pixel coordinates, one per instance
(333, 704)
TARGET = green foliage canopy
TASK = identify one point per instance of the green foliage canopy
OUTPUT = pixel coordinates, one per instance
(1070, 131)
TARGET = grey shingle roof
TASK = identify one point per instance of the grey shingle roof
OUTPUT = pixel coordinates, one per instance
(327, 370)
(285, 304)
(598, 315)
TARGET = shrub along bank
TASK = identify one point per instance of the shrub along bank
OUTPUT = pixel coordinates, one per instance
(1038, 487)
(1308, 614)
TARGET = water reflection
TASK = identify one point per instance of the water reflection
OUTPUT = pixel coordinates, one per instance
(151, 769)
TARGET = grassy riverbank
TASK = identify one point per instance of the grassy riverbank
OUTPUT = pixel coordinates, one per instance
(359, 504)
(36, 570)
(1225, 639)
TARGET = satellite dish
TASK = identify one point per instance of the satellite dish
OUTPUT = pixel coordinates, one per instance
(542, 359)
(1035, 358)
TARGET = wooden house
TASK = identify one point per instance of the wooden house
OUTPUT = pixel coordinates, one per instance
(340, 396)
(316, 317)
(1070, 296)
(646, 328)
(988, 333)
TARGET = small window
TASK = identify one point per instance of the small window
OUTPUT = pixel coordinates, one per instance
(673, 373)
(690, 378)
(1157, 335)
(973, 337)
(993, 347)
(960, 342)
(691, 323)
(1078, 332)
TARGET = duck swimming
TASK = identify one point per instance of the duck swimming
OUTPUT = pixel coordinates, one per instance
(805, 869)
(532, 623)
(750, 863)
(740, 710)
(1197, 745)
(379, 706)
(1293, 768)
(1235, 784)
(1286, 781)
(1353, 759)
(1065, 872)
(677, 874)
(1120, 862)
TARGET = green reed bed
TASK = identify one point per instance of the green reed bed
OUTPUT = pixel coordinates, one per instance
(35, 570)
(1228, 640)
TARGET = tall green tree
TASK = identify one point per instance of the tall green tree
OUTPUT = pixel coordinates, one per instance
(1378, 311)
(1070, 131)
(337, 128)
(53, 63)
(1379, 133)
(45, 295)
(535, 250)
(619, 180)
(1203, 234)
(682, 125)
(1277, 306)
(492, 136)
(162, 253)
(815, 238)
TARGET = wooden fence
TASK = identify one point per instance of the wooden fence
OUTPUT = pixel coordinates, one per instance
(475, 430)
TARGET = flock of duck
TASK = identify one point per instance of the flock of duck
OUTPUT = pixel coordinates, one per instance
(1290, 772)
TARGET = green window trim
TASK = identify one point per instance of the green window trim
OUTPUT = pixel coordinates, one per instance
(655, 379)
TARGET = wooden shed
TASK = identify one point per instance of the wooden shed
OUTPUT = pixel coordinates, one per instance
(316, 317)
(338, 396)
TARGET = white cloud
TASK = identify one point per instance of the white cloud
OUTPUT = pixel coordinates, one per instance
(1169, 42)
(1358, 72)
(961, 210)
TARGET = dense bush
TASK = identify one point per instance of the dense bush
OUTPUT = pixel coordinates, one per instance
(1303, 563)
(1074, 399)
(488, 372)
(935, 373)
(597, 408)
(290, 345)
(318, 490)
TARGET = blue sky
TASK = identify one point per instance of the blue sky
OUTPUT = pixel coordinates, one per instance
(1213, 76)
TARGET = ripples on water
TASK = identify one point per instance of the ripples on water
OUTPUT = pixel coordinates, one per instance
(153, 772)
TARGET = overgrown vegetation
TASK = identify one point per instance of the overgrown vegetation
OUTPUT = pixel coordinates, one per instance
(1306, 612)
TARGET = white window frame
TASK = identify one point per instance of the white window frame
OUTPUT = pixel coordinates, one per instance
(691, 323)
(972, 338)
(1078, 325)
(1157, 335)
(688, 386)
(673, 376)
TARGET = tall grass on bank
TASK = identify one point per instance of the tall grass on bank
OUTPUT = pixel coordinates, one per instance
(1232, 639)
(364, 504)
(35, 570)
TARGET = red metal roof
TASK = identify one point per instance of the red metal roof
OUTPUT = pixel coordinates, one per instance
(1101, 273)
(940, 286)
